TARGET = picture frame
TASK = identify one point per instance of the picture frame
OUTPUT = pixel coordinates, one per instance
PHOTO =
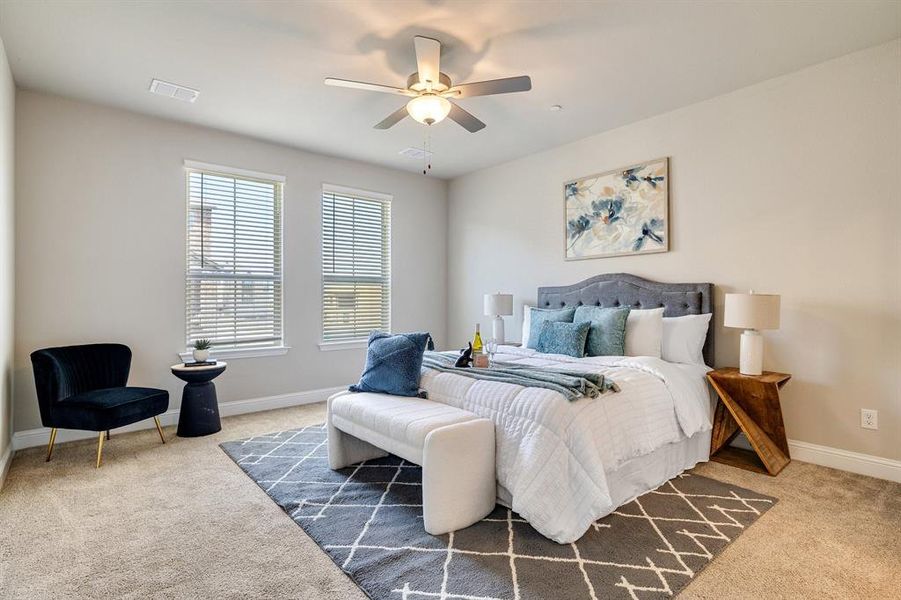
(620, 212)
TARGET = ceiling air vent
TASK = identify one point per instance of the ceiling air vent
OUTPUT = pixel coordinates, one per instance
(415, 153)
(173, 90)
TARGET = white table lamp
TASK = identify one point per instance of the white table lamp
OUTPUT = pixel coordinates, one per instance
(752, 312)
(498, 306)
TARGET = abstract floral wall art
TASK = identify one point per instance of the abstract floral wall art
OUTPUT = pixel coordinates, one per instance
(620, 212)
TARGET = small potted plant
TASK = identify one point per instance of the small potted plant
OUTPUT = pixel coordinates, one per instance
(202, 350)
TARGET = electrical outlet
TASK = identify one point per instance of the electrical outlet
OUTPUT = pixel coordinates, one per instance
(869, 418)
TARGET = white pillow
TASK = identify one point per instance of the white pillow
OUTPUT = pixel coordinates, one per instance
(644, 332)
(683, 339)
(526, 324)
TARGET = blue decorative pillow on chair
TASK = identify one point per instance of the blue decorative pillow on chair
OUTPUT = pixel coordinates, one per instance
(393, 363)
(563, 338)
(607, 334)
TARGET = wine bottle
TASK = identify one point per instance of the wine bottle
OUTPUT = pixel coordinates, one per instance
(477, 341)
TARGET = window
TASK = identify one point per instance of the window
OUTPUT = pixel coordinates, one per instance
(356, 264)
(234, 263)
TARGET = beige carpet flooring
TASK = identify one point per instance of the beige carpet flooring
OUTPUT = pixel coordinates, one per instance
(182, 521)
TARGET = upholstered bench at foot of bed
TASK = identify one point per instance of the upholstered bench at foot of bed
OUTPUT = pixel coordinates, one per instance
(454, 447)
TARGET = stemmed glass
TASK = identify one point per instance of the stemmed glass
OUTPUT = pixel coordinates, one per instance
(491, 349)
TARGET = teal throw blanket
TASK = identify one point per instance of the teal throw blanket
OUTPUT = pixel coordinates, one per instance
(571, 384)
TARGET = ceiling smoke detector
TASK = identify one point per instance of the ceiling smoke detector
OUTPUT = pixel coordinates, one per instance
(173, 90)
(415, 153)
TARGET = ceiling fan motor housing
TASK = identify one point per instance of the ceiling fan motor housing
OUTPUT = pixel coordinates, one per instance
(442, 85)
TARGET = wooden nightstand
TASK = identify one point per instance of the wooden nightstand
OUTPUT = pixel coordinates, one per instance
(749, 403)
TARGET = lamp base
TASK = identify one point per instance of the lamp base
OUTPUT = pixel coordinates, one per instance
(497, 329)
(751, 360)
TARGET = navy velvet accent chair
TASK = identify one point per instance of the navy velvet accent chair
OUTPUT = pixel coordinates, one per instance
(83, 387)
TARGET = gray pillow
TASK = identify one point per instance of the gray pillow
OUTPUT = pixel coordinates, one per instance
(607, 334)
(563, 338)
(539, 316)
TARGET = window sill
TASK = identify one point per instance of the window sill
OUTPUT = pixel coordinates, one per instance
(231, 353)
(351, 345)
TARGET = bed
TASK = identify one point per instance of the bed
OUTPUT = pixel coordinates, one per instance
(562, 465)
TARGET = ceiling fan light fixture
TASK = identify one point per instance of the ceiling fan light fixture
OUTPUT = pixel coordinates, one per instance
(429, 109)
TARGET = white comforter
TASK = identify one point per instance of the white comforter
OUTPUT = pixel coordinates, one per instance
(552, 454)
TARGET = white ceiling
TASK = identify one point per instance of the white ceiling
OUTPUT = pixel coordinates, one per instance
(259, 65)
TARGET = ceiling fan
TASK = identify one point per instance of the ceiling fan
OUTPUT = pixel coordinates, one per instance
(430, 91)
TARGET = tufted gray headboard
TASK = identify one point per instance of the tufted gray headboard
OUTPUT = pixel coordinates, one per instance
(622, 289)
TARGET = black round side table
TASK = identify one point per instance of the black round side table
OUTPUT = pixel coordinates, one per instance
(199, 414)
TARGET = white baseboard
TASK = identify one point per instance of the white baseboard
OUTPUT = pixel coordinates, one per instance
(836, 458)
(41, 436)
(6, 459)
(845, 460)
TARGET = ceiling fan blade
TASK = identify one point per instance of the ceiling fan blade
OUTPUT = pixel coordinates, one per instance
(393, 119)
(469, 122)
(489, 88)
(428, 58)
(372, 87)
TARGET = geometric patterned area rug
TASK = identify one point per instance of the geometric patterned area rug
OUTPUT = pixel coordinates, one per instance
(368, 519)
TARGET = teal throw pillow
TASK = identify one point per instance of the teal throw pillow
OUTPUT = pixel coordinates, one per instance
(563, 338)
(539, 316)
(607, 334)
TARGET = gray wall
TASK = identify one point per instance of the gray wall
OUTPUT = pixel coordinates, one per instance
(101, 245)
(790, 186)
(7, 270)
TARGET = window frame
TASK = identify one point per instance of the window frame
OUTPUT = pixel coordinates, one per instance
(280, 180)
(333, 345)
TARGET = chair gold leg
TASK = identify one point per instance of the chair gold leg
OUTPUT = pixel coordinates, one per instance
(50, 445)
(99, 449)
(159, 429)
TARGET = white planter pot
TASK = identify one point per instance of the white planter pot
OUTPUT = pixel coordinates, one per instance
(201, 355)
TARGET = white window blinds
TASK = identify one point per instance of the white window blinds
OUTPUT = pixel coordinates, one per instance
(234, 263)
(356, 264)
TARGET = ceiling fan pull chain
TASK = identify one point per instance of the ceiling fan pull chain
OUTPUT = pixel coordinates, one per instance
(427, 154)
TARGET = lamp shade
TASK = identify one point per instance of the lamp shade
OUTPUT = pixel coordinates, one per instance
(752, 311)
(498, 304)
(429, 108)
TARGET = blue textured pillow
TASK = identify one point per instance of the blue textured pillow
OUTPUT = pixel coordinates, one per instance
(539, 316)
(563, 338)
(607, 334)
(393, 363)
